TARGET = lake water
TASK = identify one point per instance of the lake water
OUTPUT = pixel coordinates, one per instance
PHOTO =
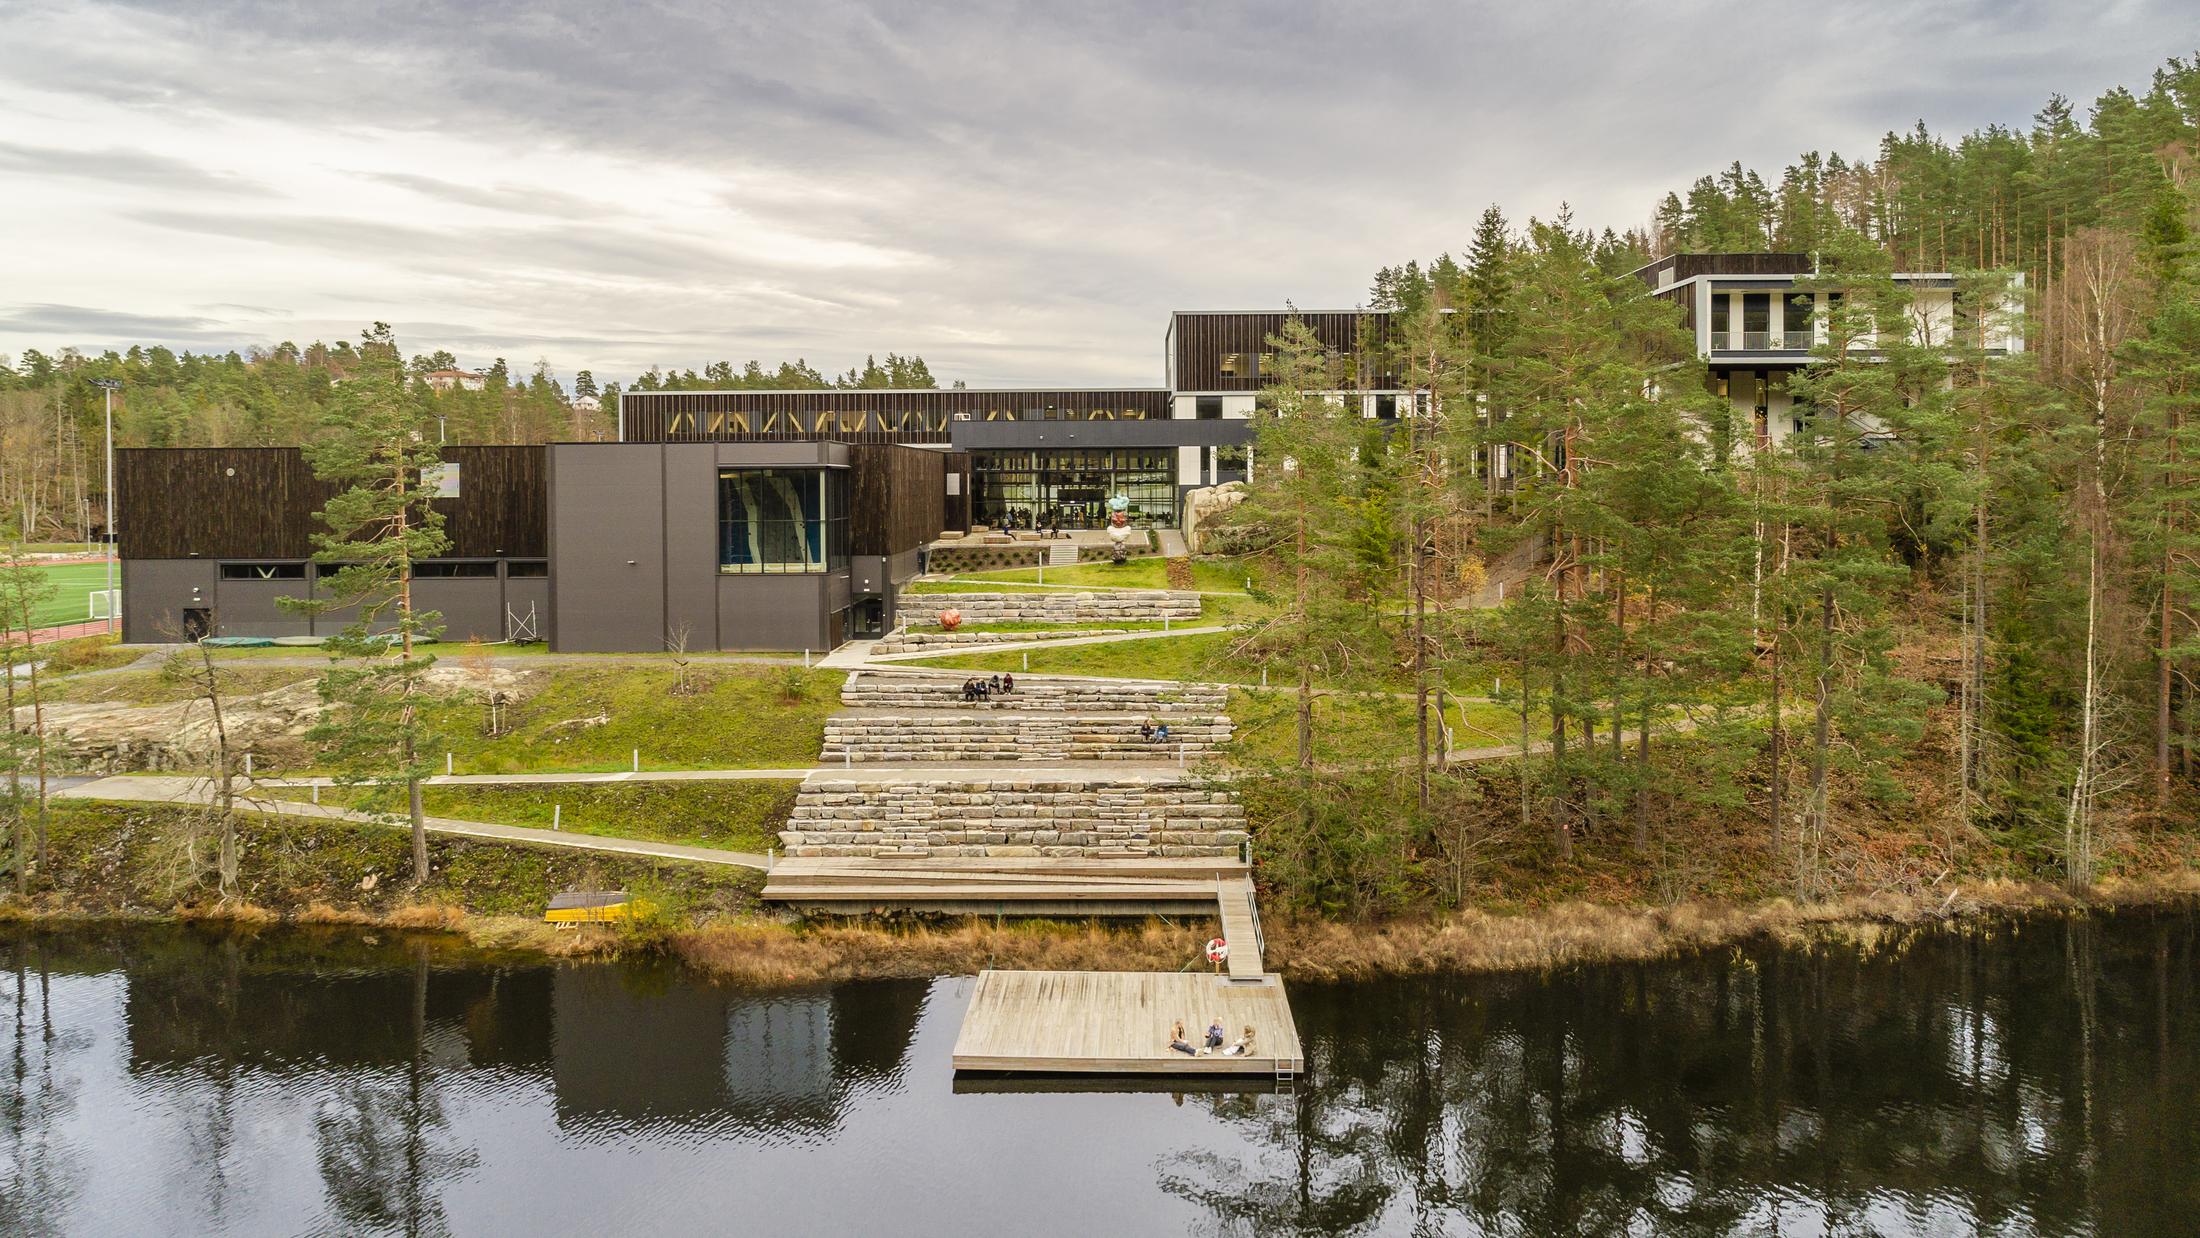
(2037, 1077)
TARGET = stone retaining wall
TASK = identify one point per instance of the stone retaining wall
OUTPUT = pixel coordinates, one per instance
(1020, 816)
(971, 736)
(954, 559)
(902, 690)
(1060, 606)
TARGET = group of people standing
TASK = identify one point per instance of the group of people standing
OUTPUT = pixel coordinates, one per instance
(981, 688)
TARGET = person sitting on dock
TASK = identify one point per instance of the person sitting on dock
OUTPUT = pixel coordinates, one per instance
(1243, 1047)
(1179, 1043)
(1214, 1035)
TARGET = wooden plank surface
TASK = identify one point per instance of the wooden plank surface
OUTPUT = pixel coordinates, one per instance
(1118, 1022)
(1236, 899)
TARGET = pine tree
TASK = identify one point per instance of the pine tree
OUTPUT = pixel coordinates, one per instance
(378, 446)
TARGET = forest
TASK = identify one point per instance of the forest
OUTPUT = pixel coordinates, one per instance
(52, 413)
(1944, 631)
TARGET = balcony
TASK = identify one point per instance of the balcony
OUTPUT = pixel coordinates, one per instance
(1761, 341)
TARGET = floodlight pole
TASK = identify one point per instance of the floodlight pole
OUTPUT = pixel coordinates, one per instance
(110, 386)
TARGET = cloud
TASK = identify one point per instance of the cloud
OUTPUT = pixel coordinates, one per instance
(135, 169)
(1018, 192)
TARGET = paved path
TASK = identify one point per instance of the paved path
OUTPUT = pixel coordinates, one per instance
(147, 788)
(578, 776)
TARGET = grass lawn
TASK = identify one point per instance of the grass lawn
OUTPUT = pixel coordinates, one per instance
(67, 657)
(153, 688)
(73, 583)
(735, 816)
(592, 718)
(1152, 572)
(1198, 658)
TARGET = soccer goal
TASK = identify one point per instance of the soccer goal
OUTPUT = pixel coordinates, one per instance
(104, 603)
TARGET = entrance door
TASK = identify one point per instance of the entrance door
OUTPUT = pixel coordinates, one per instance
(870, 618)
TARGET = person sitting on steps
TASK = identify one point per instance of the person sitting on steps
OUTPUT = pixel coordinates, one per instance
(1008, 683)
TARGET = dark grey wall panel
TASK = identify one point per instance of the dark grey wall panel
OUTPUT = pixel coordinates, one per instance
(607, 554)
(248, 607)
(155, 593)
(530, 591)
(471, 607)
(691, 544)
(774, 612)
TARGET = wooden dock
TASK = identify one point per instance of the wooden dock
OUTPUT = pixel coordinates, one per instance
(1050, 1022)
(1008, 885)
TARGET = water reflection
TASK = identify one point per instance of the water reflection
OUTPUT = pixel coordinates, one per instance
(2031, 1078)
(2018, 1079)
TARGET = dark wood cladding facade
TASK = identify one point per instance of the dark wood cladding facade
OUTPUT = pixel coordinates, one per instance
(1688, 266)
(863, 416)
(1200, 341)
(265, 503)
(893, 497)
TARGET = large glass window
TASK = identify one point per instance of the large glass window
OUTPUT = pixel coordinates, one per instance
(1069, 487)
(781, 520)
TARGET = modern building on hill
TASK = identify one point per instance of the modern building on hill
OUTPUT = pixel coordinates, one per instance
(1757, 317)
(788, 520)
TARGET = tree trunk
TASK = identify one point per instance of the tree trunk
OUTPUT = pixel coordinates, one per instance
(1822, 735)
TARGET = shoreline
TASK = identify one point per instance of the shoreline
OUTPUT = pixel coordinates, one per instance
(766, 952)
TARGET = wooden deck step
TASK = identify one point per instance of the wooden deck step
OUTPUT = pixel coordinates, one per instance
(1239, 928)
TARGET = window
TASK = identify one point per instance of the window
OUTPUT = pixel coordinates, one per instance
(440, 479)
(1233, 364)
(1797, 317)
(1209, 407)
(1386, 408)
(781, 521)
(527, 568)
(263, 571)
(430, 569)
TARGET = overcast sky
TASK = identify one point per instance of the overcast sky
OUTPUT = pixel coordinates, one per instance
(1020, 193)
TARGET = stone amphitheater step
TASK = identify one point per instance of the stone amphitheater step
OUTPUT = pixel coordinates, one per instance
(969, 735)
(1020, 815)
(1063, 606)
(907, 690)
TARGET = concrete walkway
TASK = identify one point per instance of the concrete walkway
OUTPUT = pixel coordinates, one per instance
(154, 789)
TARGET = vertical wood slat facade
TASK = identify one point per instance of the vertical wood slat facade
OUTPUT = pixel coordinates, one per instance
(1199, 341)
(265, 503)
(893, 497)
(856, 416)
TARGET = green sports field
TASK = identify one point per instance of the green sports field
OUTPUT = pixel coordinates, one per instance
(74, 583)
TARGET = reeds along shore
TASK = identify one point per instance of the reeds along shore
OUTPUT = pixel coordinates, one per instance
(774, 952)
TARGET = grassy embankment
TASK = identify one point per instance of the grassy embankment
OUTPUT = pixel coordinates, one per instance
(743, 815)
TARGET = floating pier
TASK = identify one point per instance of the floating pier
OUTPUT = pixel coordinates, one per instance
(1065, 1022)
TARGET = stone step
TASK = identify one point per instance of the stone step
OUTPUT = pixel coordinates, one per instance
(953, 736)
(1021, 815)
(908, 690)
(1061, 606)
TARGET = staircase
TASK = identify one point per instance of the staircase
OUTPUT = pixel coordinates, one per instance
(959, 736)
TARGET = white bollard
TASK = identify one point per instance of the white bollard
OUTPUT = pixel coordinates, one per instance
(1027, 661)
(1180, 754)
(317, 793)
(1264, 677)
(637, 760)
(1164, 623)
(446, 765)
(557, 816)
(805, 659)
(248, 765)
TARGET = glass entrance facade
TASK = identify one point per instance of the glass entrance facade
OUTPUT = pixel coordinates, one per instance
(1069, 487)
